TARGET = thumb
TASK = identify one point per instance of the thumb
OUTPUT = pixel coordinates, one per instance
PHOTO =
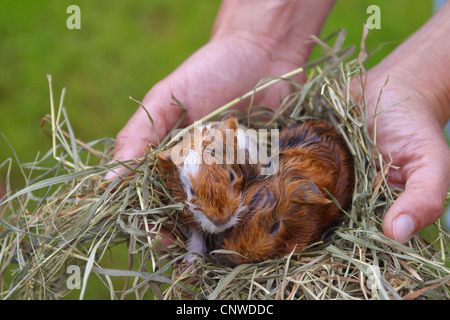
(422, 202)
(134, 138)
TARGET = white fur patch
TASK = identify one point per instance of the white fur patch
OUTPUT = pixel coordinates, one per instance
(186, 183)
(197, 242)
(191, 163)
(210, 227)
(247, 140)
(189, 167)
(242, 139)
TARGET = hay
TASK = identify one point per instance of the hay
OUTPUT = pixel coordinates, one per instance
(68, 215)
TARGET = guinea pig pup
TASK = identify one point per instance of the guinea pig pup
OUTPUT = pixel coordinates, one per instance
(204, 173)
(291, 209)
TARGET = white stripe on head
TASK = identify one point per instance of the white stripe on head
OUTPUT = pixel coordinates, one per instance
(191, 163)
(190, 167)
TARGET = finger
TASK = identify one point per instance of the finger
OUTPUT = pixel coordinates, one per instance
(137, 135)
(130, 143)
(167, 238)
(422, 202)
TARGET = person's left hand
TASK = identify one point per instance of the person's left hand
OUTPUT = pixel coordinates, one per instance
(414, 106)
(410, 133)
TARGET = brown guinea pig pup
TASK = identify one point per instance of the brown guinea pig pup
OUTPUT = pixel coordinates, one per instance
(204, 174)
(291, 209)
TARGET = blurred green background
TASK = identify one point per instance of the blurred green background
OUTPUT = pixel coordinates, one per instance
(122, 50)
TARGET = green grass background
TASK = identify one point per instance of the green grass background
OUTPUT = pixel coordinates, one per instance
(122, 50)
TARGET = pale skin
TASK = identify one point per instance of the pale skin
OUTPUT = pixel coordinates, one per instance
(250, 41)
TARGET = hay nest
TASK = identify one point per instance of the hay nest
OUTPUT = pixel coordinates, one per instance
(68, 215)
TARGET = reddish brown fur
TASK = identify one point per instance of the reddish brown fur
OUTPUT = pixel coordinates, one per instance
(291, 209)
(215, 195)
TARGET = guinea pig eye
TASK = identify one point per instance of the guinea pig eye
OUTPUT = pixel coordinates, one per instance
(275, 227)
(232, 175)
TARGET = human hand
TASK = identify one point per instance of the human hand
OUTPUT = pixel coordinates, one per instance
(249, 42)
(411, 135)
(411, 132)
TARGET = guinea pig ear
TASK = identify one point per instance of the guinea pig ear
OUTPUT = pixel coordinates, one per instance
(232, 175)
(310, 193)
(230, 123)
(165, 160)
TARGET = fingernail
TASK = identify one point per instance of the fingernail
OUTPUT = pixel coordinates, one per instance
(113, 174)
(110, 175)
(404, 227)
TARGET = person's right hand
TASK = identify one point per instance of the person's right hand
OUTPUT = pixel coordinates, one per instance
(249, 42)
(219, 72)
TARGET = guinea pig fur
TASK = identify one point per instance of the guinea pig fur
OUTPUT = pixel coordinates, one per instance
(204, 174)
(290, 210)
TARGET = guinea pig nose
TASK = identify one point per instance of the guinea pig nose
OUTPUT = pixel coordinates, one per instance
(219, 222)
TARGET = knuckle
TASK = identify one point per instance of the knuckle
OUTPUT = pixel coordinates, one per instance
(435, 207)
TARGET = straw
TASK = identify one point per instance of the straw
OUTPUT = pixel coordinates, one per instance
(68, 215)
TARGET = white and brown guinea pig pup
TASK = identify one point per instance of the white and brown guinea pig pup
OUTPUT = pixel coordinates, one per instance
(291, 209)
(203, 173)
